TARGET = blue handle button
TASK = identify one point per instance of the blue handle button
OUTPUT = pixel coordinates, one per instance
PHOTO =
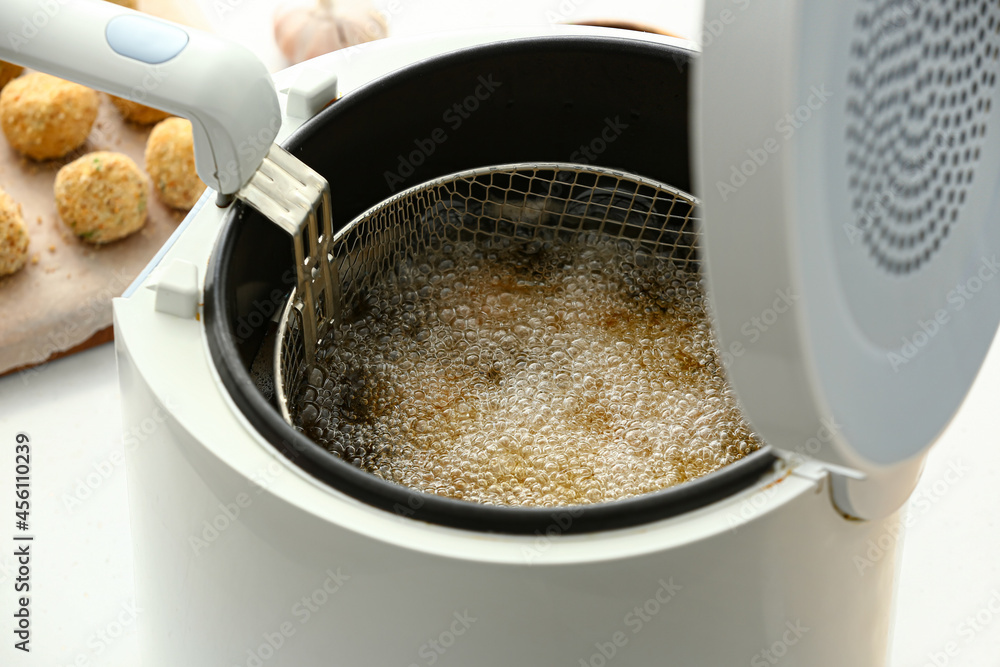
(145, 39)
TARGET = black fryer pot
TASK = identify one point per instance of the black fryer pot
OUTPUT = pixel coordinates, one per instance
(611, 102)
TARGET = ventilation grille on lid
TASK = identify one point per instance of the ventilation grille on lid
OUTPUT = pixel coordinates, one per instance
(920, 88)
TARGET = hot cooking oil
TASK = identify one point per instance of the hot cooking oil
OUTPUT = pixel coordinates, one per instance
(535, 374)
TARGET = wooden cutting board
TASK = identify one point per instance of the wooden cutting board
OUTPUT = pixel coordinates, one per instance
(61, 301)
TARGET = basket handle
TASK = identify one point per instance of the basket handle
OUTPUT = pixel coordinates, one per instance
(220, 86)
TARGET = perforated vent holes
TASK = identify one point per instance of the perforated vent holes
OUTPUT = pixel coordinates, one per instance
(921, 82)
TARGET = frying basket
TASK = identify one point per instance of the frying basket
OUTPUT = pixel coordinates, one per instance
(525, 203)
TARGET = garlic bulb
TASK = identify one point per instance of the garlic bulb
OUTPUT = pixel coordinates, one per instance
(306, 32)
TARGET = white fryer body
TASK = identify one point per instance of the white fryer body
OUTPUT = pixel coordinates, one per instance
(243, 560)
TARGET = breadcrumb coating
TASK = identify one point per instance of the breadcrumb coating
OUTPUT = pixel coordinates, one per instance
(102, 197)
(45, 117)
(13, 236)
(170, 163)
(137, 113)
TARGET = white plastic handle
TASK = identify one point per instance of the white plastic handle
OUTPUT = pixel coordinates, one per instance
(220, 86)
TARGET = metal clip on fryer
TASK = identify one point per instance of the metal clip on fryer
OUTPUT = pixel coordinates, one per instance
(297, 199)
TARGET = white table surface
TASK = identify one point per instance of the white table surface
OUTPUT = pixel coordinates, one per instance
(83, 609)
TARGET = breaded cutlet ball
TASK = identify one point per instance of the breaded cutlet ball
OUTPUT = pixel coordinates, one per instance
(9, 72)
(102, 196)
(137, 113)
(45, 117)
(170, 163)
(131, 4)
(13, 236)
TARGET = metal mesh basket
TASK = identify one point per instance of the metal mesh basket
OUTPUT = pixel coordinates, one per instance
(525, 203)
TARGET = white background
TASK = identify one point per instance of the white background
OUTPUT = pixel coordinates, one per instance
(82, 576)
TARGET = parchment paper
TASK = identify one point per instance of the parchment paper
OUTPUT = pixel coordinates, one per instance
(63, 296)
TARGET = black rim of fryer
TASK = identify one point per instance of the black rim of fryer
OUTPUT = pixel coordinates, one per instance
(635, 77)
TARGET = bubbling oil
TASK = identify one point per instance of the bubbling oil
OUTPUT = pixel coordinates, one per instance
(532, 374)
